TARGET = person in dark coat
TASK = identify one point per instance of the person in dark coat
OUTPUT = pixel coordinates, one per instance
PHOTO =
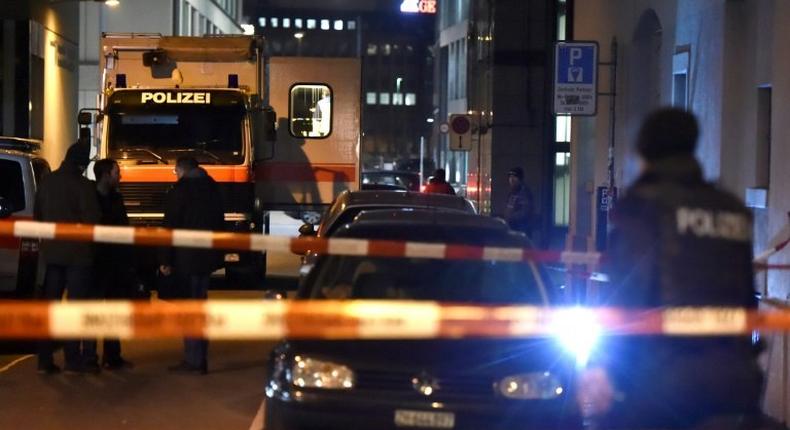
(65, 195)
(114, 263)
(519, 207)
(677, 240)
(194, 203)
(438, 184)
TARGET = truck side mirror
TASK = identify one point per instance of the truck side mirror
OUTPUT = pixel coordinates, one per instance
(85, 118)
(265, 133)
(269, 124)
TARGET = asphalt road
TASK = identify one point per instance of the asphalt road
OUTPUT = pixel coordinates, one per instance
(145, 397)
(148, 396)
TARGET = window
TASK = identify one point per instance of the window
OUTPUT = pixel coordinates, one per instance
(562, 188)
(370, 98)
(324, 24)
(372, 49)
(763, 146)
(386, 49)
(384, 98)
(310, 110)
(351, 25)
(310, 24)
(338, 24)
(298, 22)
(680, 74)
(11, 185)
(563, 132)
(397, 99)
(262, 22)
(274, 22)
(411, 99)
(286, 22)
(185, 15)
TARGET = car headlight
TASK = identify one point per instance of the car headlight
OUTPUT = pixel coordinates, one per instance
(311, 373)
(531, 386)
(578, 331)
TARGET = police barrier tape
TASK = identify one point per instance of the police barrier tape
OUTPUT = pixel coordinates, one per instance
(147, 236)
(324, 319)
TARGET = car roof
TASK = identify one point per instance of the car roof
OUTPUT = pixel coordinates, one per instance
(432, 226)
(17, 155)
(410, 216)
(390, 172)
(19, 144)
(405, 199)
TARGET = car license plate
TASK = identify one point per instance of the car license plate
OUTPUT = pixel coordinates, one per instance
(439, 420)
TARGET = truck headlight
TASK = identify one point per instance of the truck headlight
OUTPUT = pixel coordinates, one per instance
(531, 386)
(311, 373)
(578, 331)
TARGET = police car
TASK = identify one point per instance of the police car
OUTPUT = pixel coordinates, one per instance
(21, 169)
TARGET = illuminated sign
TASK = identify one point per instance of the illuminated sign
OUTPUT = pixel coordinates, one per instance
(418, 6)
(176, 98)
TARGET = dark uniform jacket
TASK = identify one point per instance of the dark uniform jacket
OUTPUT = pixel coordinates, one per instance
(194, 203)
(66, 196)
(679, 241)
(518, 211)
(118, 258)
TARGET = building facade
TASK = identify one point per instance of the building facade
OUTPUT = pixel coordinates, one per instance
(725, 62)
(38, 73)
(495, 64)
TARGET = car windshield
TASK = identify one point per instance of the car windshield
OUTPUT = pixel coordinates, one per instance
(409, 181)
(486, 282)
(151, 132)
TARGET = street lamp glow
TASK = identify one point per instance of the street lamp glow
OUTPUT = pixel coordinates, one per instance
(112, 3)
(299, 35)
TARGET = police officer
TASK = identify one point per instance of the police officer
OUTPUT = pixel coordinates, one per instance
(677, 240)
(114, 264)
(519, 206)
(65, 195)
(195, 203)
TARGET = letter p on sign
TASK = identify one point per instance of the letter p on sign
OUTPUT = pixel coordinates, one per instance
(575, 54)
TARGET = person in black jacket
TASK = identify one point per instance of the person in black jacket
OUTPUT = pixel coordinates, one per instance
(677, 240)
(194, 203)
(65, 195)
(114, 263)
(520, 204)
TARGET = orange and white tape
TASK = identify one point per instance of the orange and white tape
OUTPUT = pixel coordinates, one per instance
(146, 236)
(256, 319)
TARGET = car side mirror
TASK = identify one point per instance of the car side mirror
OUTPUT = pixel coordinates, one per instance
(307, 230)
(6, 208)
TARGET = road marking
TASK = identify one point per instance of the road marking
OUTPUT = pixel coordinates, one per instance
(257, 422)
(8, 366)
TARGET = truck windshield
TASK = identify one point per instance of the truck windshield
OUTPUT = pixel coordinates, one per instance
(158, 127)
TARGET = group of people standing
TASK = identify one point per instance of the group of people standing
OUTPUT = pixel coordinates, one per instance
(86, 271)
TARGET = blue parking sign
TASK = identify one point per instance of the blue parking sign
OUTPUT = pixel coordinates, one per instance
(575, 78)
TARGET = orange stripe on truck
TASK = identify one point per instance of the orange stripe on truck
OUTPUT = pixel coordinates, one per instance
(167, 173)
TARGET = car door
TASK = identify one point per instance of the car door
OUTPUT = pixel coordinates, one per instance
(12, 189)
